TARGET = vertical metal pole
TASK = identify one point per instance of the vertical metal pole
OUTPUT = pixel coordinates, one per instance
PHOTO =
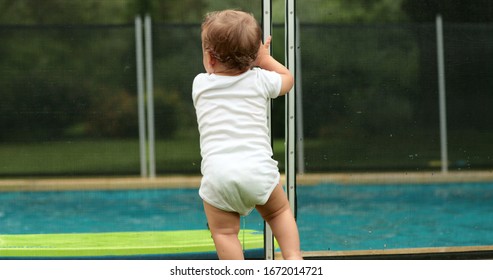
(150, 96)
(300, 148)
(290, 29)
(441, 94)
(139, 54)
(267, 31)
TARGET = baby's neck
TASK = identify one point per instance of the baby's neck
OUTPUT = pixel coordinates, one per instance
(224, 71)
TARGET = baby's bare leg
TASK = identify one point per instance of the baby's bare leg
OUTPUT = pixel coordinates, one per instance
(278, 215)
(224, 227)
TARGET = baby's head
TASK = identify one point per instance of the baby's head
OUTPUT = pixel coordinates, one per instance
(232, 37)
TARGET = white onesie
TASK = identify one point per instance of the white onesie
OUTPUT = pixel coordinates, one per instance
(237, 166)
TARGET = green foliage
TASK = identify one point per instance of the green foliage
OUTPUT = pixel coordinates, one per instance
(62, 11)
(343, 11)
(55, 78)
(34, 86)
(360, 77)
(319, 11)
(452, 11)
(169, 11)
(116, 117)
(188, 11)
(166, 108)
(64, 77)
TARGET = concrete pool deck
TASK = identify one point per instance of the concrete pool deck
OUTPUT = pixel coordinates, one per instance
(188, 181)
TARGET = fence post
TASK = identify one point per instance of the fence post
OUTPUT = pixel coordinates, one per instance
(139, 54)
(150, 96)
(441, 94)
(290, 30)
(300, 148)
(267, 31)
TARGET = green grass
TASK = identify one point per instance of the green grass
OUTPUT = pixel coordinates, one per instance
(69, 157)
(95, 157)
(466, 150)
(121, 157)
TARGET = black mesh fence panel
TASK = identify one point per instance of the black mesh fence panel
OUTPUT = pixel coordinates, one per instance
(370, 98)
(68, 100)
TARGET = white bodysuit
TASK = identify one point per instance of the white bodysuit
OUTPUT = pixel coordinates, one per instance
(237, 166)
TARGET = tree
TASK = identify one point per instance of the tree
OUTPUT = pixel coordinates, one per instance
(345, 11)
(168, 11)
(466, 50)
(451, 10)
(61, 11)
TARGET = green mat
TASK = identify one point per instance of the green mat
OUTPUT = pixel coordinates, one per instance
(97, 245)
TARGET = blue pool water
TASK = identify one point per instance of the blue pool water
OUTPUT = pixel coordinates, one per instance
(330, 216)
(365, 217)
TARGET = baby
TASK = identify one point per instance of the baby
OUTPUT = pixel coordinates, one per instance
(231, 102)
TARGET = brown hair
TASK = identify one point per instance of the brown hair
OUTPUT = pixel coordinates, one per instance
(232, 37)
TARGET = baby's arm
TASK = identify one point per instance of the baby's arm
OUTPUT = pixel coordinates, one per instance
(266, 61)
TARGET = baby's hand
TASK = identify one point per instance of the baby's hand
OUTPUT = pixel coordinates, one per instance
(266, 61)
(263, 51)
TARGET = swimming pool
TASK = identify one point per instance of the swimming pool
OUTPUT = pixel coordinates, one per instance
(330, 216)
(363, 217)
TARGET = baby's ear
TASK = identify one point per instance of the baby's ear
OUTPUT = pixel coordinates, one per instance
(212, 58)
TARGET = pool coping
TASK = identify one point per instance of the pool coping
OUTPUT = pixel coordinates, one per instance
(193, 181)
(431, 253)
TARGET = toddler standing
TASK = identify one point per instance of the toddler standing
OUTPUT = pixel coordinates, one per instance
(231, 101)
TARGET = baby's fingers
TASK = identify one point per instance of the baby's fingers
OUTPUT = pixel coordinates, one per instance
(267, 42)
